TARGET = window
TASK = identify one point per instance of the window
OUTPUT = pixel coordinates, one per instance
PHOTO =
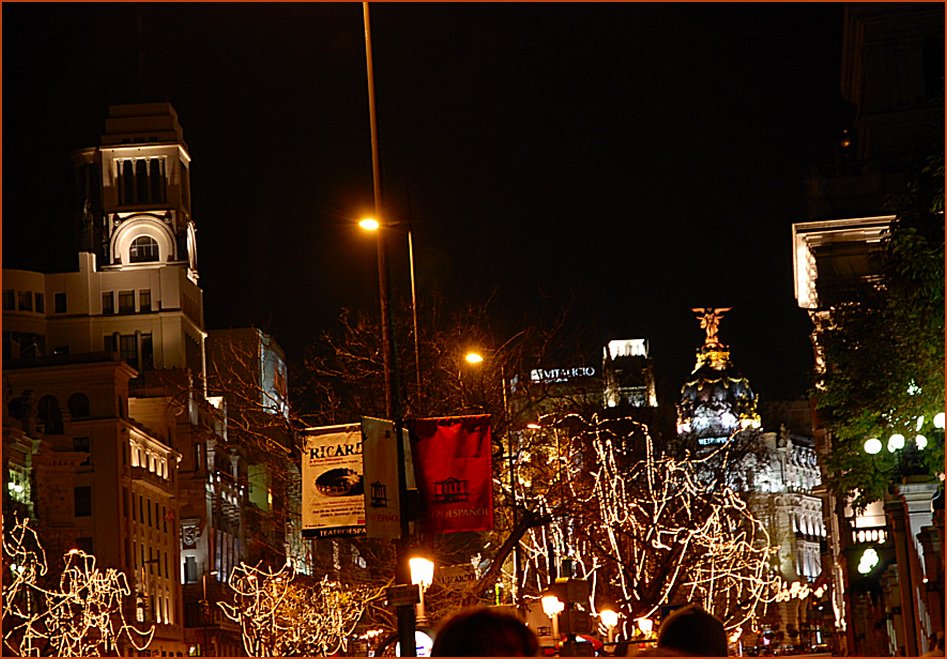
(83, 445)
(111, 343)
(128, 348)
(78, 405)
(108, 303)
(49, 414)
(190, 569)
(126, 172)
(126, 301)
(82, 498)
(59, 302)
(24, 300)
(40, 302)
(147, 353)
(141, 180)
(144, 300)
(144, 249)
(9, 299)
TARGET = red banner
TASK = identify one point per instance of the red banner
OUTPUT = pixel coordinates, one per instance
(454, 471)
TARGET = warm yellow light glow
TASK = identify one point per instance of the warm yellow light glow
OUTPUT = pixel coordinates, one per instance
(646, 625)
(369, 224)
(473, 358)
(552, 605)
(609, 618)
(534, 426)
(422, 571)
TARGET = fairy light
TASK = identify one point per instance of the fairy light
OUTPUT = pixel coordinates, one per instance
(675, 534)
(281, 616)
(83, 616)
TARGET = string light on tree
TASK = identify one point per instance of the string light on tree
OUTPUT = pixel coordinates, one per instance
(281, 616)
(84, 616)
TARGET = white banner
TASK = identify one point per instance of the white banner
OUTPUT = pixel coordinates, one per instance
(382, 505)
(333, 486)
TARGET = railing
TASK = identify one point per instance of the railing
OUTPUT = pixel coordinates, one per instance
(870, 535)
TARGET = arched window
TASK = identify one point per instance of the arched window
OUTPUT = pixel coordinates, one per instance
(144, 249)
(78, 405)
(49, 414)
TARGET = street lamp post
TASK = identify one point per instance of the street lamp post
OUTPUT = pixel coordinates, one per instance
(609, 618)
(898, 513)
(373, 224)
(405, 612)
(475, 358)
(552, 607)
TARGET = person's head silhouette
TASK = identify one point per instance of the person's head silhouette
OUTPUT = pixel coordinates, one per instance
(484, 632)
(694, 632)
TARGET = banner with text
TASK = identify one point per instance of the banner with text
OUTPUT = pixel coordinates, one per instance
(333, 487)
(382, 501)
(454, 470)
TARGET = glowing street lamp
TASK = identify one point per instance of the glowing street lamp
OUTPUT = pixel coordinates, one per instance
(552, 607)
(645, 625)
(373, 224)
(422, 576)
(474, 358)
(609, 618)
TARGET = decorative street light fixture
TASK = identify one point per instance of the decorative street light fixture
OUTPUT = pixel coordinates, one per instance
(552, 607)
(609, 618)
(645, 626)
(422, 576)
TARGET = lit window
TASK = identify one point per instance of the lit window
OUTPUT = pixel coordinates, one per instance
(144, 249)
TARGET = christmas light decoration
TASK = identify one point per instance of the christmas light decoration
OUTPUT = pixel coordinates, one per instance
(82, 615)
(652, 529)
(281, 616)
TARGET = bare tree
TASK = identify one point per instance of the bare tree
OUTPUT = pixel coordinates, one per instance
(282, 615)
(82, 614)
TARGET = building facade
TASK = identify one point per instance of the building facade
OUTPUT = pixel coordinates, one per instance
(112, 441)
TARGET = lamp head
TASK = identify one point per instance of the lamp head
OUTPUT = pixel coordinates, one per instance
(474, 357)
(552, 605)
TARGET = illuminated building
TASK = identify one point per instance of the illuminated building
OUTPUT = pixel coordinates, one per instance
(111, 440)
(629, 374)
(716, 402)
(777, 469)
(892, 78)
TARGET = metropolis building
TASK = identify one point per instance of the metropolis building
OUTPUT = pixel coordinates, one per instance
(112, 442)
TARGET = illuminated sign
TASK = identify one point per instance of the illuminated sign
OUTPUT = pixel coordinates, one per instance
(553, 375)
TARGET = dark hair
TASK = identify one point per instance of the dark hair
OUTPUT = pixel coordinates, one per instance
(693, 631)
(482, 631)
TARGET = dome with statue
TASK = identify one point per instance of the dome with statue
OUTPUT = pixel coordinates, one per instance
(716, 401)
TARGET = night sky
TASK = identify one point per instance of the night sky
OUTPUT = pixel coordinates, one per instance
(630, 160)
